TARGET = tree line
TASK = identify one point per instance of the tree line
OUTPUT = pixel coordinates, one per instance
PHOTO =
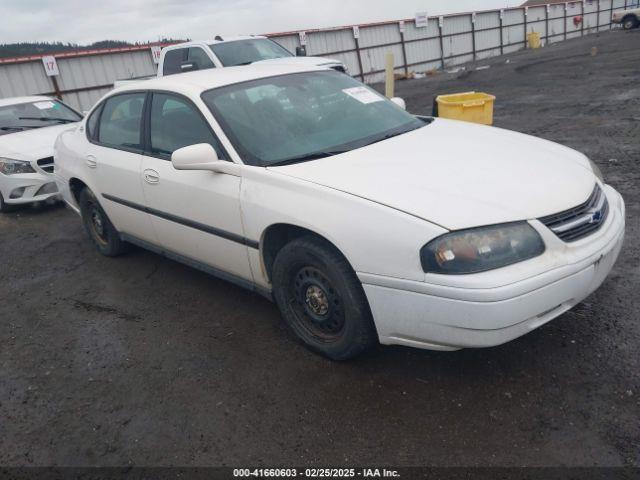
(21, 49)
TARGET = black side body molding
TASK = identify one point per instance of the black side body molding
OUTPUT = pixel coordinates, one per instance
(186, 222)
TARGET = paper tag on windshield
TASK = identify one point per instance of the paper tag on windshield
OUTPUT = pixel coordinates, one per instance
(44, 105)
(363, 95)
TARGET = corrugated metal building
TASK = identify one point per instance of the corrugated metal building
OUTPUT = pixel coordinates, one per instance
(84, 77)
(444, 41)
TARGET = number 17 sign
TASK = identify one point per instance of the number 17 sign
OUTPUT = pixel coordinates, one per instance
(155, 53)
(50, 66)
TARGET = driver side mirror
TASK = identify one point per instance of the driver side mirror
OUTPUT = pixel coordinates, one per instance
(202, 156)
(301, 51)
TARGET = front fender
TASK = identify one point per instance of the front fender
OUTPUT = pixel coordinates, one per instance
(374, 238)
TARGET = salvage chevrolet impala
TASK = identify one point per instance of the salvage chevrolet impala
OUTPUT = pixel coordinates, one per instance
(364, 223)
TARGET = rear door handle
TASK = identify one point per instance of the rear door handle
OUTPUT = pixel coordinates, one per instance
(151, 176)
(91, 161)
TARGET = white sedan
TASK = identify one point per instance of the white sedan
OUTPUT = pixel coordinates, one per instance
(28, 129)
(363, 222)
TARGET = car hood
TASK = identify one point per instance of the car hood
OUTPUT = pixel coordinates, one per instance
(301, 61)
(32, 144)
(459, 175)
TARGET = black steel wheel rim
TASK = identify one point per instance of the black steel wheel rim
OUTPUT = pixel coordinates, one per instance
(97, 223)
(316, 304)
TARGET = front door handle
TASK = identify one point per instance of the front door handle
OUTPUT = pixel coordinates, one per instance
(91, 161)
(151, 176)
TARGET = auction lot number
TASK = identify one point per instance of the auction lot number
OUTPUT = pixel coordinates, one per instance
(315, 472)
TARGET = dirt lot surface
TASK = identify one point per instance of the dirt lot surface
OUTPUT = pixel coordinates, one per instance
(140, 360)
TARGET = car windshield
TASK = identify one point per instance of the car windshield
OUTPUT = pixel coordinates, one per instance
(29, 115)
(244, 52)
(304, 116)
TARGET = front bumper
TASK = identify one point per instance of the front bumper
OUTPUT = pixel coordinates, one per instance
(421, 315)
(28, 188)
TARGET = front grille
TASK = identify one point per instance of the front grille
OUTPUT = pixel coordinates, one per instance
(580, 221)
(46, 164)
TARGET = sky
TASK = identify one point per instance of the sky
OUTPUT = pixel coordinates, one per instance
(86, 21)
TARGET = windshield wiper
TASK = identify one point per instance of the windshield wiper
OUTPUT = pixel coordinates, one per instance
(48, 119)
(306, 158)
(18, 127)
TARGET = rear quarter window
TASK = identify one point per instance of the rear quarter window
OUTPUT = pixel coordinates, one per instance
(92, 122)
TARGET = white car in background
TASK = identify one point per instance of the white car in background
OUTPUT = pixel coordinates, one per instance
(28, 129)
(363, 222)
(231, 52)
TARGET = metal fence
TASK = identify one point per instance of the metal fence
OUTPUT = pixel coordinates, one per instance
(445, 41)
(451, 39)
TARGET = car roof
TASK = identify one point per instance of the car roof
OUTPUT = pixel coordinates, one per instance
(16, 100)
(225, 39)
(195, 83)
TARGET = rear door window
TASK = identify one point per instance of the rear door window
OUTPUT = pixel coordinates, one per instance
(173, 59)
(199, 58)
(121, 121)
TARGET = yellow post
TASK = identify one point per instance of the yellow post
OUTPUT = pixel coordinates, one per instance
(533, 39)
(389, 77)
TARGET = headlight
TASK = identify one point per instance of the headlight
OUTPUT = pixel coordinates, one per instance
(596, 170)
(481, 249)
(9, 166)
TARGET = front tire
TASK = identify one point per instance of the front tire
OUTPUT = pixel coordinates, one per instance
(322, 300)
(98, 226)
(630, 23)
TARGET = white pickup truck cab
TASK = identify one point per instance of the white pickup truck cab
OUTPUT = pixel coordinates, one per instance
(363, 222)
(232, 52)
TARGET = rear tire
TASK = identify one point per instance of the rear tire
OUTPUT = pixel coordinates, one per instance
(98, 226)
(629, 23)
(322, 300)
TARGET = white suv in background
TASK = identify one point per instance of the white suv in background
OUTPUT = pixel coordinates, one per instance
(28, 129)
(232, 52)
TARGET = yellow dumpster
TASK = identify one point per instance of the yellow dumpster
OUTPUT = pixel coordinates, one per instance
(534, 40)
(473, 107)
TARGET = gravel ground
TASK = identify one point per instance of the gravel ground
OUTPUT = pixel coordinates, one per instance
(140, 360)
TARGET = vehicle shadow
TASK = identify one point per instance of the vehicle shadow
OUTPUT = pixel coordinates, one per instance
(564, 342)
